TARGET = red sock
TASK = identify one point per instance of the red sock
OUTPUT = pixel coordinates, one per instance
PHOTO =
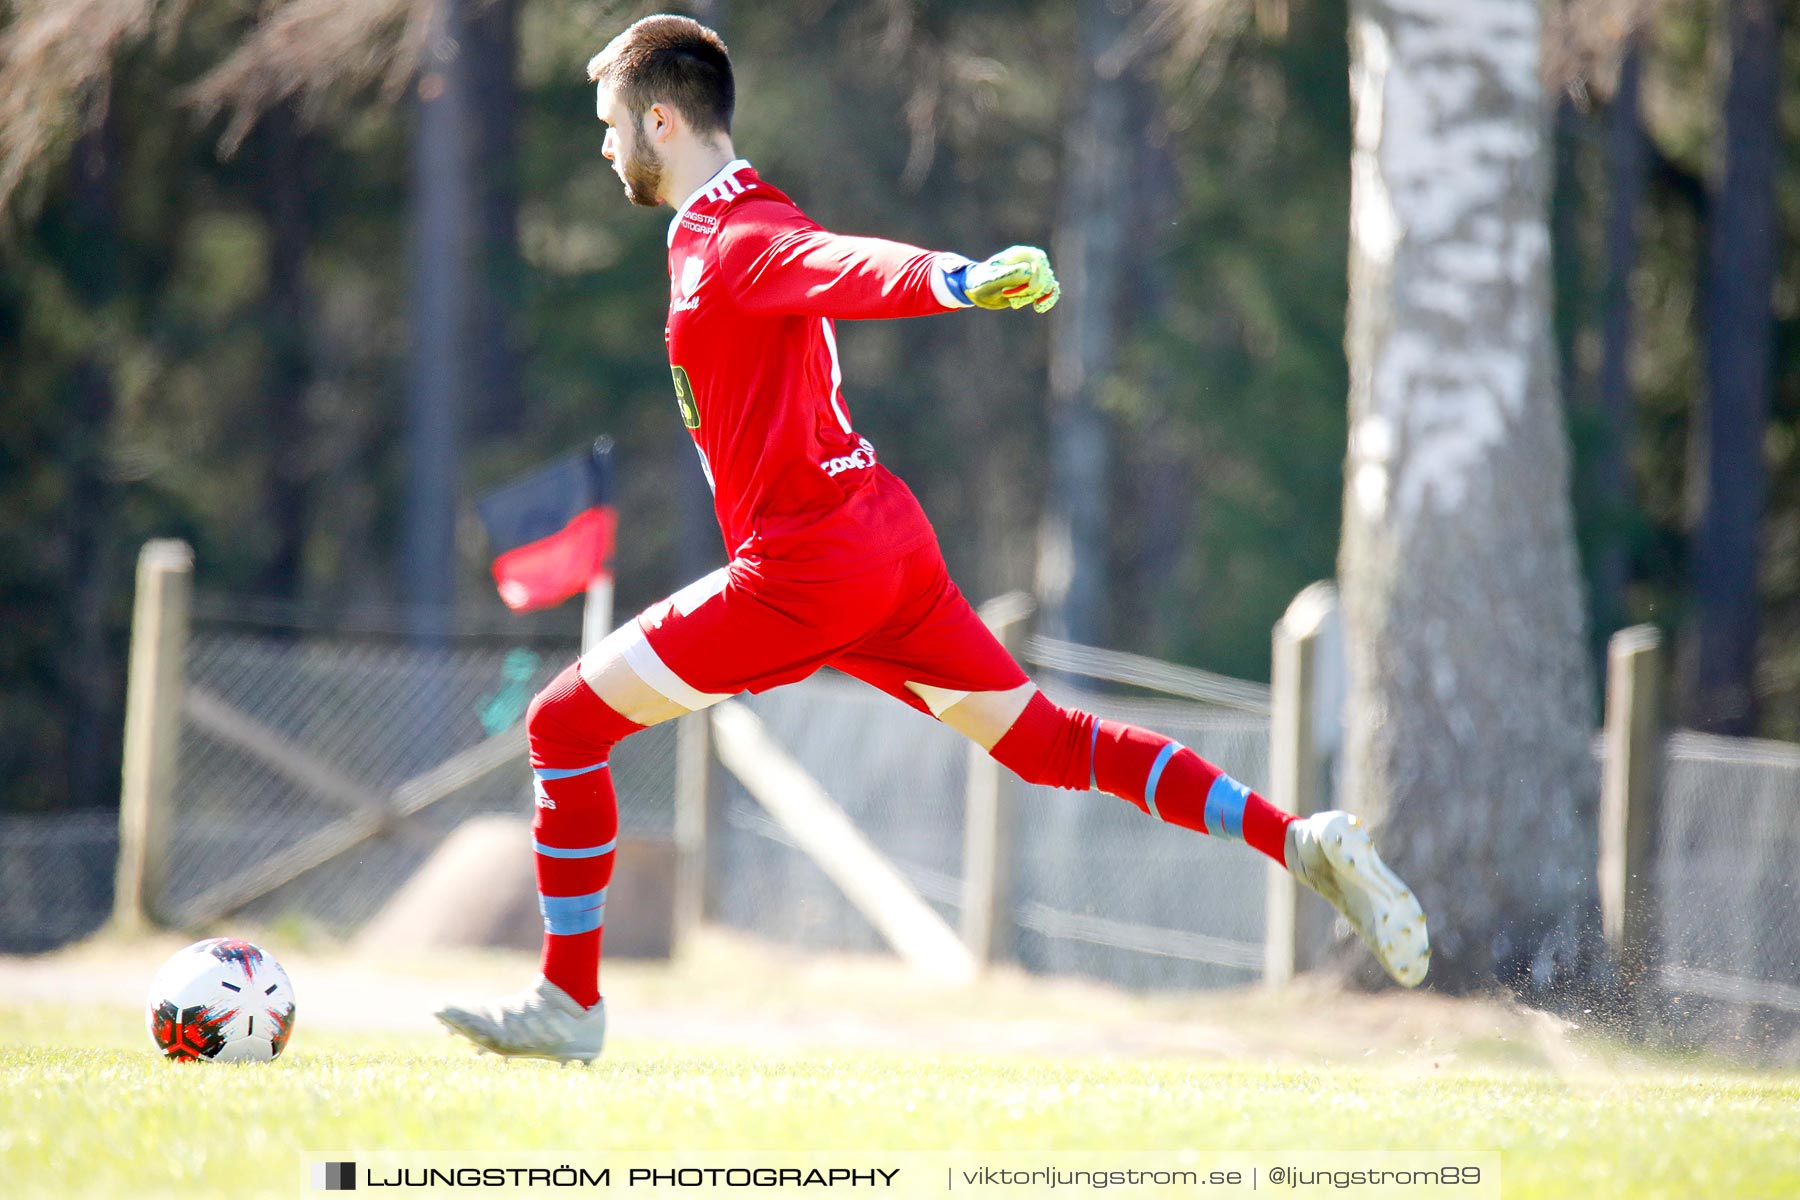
(572, 733)
(1066, 748)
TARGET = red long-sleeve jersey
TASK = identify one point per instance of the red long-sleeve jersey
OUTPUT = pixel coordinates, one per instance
(754, 288)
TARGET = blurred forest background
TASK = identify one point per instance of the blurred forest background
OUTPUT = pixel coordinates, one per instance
(232, 310)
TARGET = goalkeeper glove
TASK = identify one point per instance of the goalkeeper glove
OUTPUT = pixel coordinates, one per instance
(1012, 278)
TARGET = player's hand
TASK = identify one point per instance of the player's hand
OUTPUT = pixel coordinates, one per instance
(1013, 278)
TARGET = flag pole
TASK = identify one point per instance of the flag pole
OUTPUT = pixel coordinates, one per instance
(596, 611)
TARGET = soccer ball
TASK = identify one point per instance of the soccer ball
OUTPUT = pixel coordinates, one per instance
(221, 1000)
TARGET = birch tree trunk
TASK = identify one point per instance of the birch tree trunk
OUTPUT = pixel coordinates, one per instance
(1469, 711)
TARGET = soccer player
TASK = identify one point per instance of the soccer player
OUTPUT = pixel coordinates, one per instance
(832, 561)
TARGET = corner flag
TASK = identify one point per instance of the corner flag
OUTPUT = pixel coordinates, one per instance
(552, 530)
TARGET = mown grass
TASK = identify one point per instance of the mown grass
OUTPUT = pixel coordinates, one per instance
(86, 1108)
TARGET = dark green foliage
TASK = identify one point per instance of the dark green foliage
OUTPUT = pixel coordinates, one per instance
(144, 334)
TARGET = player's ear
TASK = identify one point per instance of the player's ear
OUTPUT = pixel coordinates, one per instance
(659, 121)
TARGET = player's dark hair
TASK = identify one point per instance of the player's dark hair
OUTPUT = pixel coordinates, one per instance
(673, 59)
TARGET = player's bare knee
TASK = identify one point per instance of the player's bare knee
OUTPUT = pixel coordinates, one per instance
(982, 717)
(607, 669)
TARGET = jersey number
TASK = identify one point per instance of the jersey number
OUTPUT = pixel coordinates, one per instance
(684, 396)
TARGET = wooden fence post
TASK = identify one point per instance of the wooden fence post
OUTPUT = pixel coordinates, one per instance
(822, 831)
(153, 694)
(1630, 805)
(1305, 728)
(697, 814)
(988, 814)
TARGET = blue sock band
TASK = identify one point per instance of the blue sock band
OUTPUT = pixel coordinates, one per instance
(544, 774)
(564, 915)
(573, 851)
(1156, 769)
(1225, 808)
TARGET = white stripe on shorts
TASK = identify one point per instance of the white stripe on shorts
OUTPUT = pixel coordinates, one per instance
(629, 643)
(700, 591)
(643, 658)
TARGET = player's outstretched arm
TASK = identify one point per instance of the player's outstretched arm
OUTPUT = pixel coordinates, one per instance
(780, 262)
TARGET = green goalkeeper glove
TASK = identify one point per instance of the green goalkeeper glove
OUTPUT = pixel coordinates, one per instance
(1012, 278)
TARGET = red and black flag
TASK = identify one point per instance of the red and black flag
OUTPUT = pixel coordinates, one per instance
(552, 530)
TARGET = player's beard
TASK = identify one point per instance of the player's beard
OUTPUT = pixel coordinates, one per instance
(642, 170)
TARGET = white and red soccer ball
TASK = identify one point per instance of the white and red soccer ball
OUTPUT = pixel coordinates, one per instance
(221, 1000)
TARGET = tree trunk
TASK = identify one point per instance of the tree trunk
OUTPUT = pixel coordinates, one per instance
(490, 51)
(282, 188)
(1149, 605)
(1628, 178)
(1469, 711)
(91, 510)
(1732, 481)
(1089, 246)
(444, 209)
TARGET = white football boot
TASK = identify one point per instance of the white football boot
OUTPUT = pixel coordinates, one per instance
(1331, 853)
(543, 1021)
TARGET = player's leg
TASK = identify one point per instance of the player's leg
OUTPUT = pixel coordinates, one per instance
(616, 689)
(571, 728)
(726, 633)
(1045, 743)
(937, 655)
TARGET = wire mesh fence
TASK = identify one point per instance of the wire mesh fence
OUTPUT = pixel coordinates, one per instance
(284, 738)
(1728, 885)
(1109, 892)
(1099, 889)
(56, 878)
(288, 732)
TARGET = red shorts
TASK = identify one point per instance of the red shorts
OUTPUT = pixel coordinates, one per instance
(902, 626)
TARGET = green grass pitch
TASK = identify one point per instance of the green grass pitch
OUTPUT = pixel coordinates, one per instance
(87, 1109)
